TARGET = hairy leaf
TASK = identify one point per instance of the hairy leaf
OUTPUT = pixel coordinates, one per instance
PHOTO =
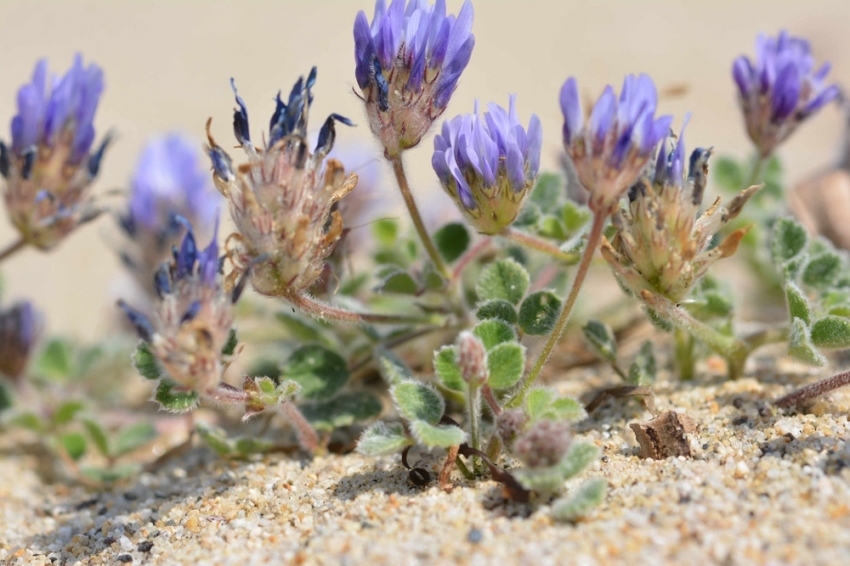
(437, 436)
(320, 372)
(587, 497)
(417, 401)
(452, 240)
(505, 364)
(447, 370)
(539, 312)
(381, 438)
(601, 338)
(497, 309)
(505, 279)
(831, 332)
(345, 409)
(493, 332)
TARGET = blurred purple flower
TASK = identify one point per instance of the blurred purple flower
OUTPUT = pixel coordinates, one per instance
(487, 164)
(780, 89)
(408, 63)
(20, 327)
(611, 149)
(49, 167)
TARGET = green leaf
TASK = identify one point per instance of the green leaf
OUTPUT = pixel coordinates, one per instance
(391, 367)
(452, 240)
(320, 372)
(539, 312)
(800, 344)
(543, 479)
(643, 370)
(505, 279)
(587, 497)
(385, 231)
(543, 403)
(247, 445)
(437, 436)
(772, 180)
(580, 455)
(214, 437)
(74, 444)
(397, 281)
(658, 321)
(230, 345)
(538, 401)
(418, 402)
(304, 330)
(5, 397)
(98, 436)
(381, 438)
(345, 409)
(505, 364)
(798, 305)
(601, 338)
(822, 270)
(445, 366)
(548, 190)
(728, 174)
(145, 362)
(175, 401)
(498, 309)
(789, 239)
(66, 412)
(831, 332)
(575, 217)
(56, 360)
(493, 332)
(551, 227)
(28, 421)
(528, 215)
(132, 437)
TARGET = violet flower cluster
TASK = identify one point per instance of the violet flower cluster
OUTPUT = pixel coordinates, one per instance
(610, 149)
(49, 166)
(408, 63)
(780, 89)
(488, 164)
(172, 180)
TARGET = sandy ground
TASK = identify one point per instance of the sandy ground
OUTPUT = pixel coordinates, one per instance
(167, 68)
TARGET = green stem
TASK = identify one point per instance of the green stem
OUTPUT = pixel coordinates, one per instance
(463, 469)
(684, 354)
(321, 310)
(537, 243)
(407, 195)
(13, 249)
(593, 240)
(473, 410)
(756, 171)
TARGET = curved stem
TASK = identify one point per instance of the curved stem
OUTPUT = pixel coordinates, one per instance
(537, 243)
(305, 432)
(814, 390)
(319, 309)
(13, 249)
(593, 241)
(470, 255)
(404, 187)
(756, 171)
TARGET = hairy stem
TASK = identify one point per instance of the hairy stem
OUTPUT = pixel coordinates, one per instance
(684, 354)
(318, 309)
(307, 435)
(13, 249)
(756, 171)
(593, 240)
(814, 390)
(404, 187)
(487, 393)
(537, 243)
(473, 412)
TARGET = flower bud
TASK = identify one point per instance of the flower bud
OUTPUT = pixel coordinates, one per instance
(544, 444)
(488, 164)
(20, 327)
(472, 359)
(510, 424)
(408, 63)
(49, 167)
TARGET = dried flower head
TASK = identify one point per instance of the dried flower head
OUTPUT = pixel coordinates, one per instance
(662, 243)
(49, 167)
(409, 61)
(544, 444)
(488, 164)
(171, 181)
(510, 424)
(780, 89)
(192, 321)
(20, 326)
(282, 200)
(611, 149)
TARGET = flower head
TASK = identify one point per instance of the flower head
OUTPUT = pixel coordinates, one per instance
(780, 89)
(544, 444)
(49, 167)
(487, 164)
(408, 63)
(171, 181)
(611, 148)
(663, 244)
(282, 199)
(20, 326)
(192, 320)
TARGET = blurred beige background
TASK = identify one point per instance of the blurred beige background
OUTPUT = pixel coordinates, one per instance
(167, 67)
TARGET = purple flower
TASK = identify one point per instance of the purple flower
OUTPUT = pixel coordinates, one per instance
(20, 327)
(282, 201)
(780, 89)
(611, 149)
(171, 180)
(408, 63)
(49, 166)
(193, 316)
(487, 164)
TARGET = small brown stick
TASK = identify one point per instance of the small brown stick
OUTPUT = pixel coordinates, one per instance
(813, 390)
(446, 471)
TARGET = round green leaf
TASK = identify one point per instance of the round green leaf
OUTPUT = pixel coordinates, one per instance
(445, 366)
(437, 436)
(145, 362)
(800, 344)
(539, 312)
(789, 239)
(74, 444)
(417, 401)
(600, 336)
(320, 372)
(452, 240)
(382, 438)
(505, 364)
(343, 410)
(175, 401)
(505, 279)
(831, 332)
(493, 332)
(498, 309)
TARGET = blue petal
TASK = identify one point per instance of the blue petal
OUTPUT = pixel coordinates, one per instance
(742, 72)
(451, 74)
(535, 144)
(786, 93)
(602, 117)
(571, 108)
(364, 50)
